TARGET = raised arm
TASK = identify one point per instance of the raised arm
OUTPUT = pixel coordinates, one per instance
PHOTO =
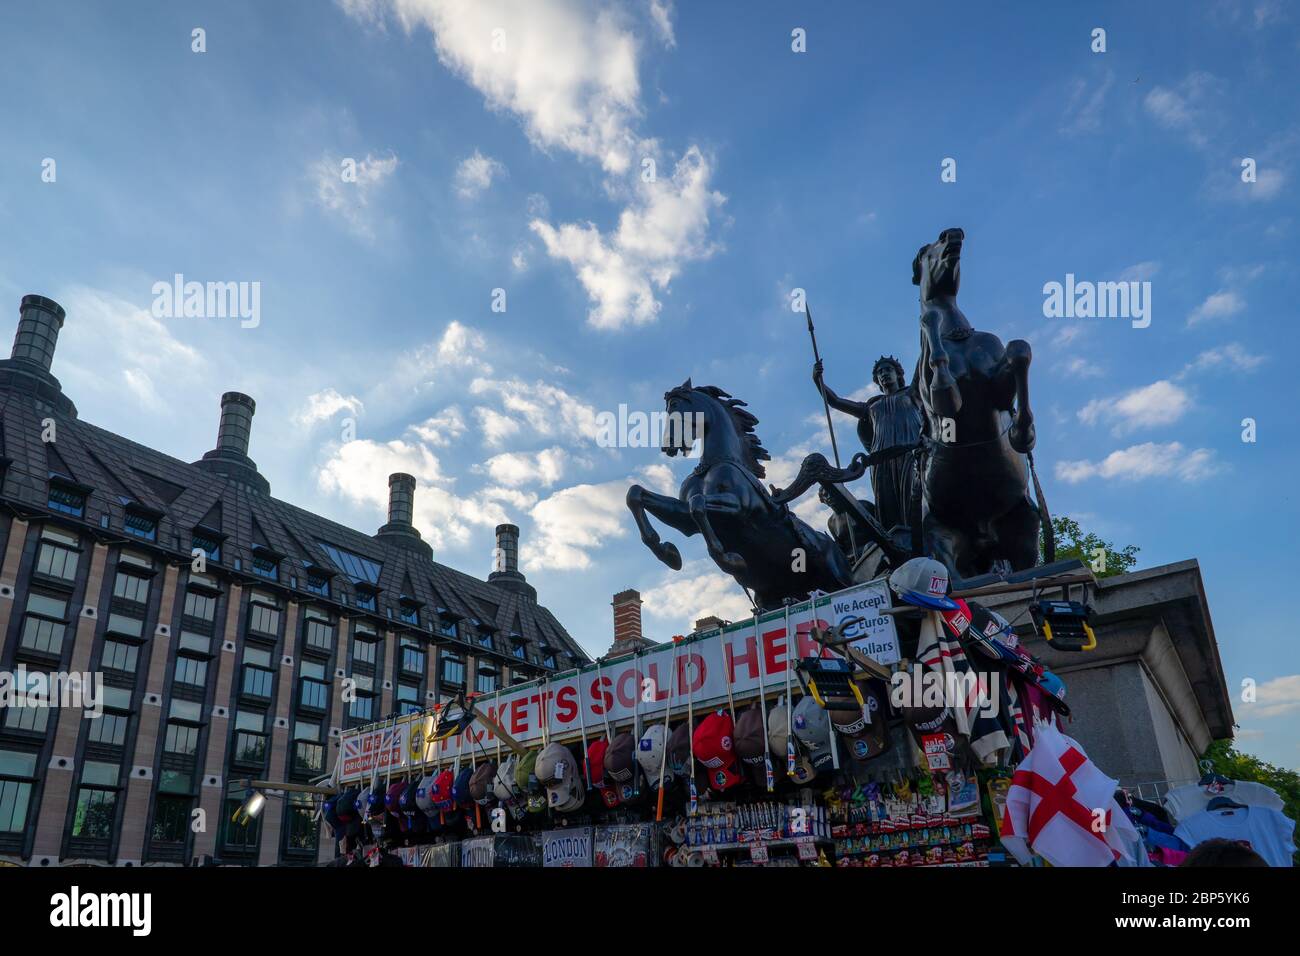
(856, 409)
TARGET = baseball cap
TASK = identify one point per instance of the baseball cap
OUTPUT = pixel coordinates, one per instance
(526, 773)
(713, 749)
(812, 728)
(927, 721)
(557, 771)
(424, 795)
(503, 782)
(871, 739)
(440, 791)
(460, 788)
(480, 783)
(749, 748)
(596, 771)
(651, 755)
(679, 750)
(923, 582)
(621, 767)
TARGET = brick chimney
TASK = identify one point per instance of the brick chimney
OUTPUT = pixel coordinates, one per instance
(230, 457)
(627, 624)
(712, 622)
(401, 529)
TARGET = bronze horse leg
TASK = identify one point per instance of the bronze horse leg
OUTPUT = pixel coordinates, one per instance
(1013, 379)
(700, 506)
(671, 511)
(945, 396)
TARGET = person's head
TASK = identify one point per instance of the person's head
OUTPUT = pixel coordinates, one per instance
(1219, 852)
(888, 374)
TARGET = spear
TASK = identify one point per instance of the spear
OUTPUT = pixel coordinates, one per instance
(830, 426)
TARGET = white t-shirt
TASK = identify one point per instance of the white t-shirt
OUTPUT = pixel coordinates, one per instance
(1268, 832)
(1191, 800)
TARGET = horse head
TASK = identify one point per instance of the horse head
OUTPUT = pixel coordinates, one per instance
(937, 266)
(708, 414)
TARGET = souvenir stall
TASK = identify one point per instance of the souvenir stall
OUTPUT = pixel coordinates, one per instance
(890, 724)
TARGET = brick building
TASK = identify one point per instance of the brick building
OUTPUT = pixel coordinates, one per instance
(223, 622)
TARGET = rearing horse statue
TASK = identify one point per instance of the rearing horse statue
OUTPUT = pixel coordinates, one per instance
(758, 541)
(977, 513)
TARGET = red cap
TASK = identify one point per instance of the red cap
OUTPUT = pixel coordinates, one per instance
(596, 771)
(713, 749)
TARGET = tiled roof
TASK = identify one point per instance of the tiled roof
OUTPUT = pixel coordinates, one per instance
(182, 494)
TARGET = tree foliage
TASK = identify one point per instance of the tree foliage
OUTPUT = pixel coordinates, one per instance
(1235, 765)
(1103, 557)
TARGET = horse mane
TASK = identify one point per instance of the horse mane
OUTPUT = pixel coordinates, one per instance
(743, 421)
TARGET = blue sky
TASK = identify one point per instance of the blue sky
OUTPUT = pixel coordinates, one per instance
(519, 168)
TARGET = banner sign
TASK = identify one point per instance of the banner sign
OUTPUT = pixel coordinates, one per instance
(623, 845)
(567, 848)
(641, 685)
(478, 851)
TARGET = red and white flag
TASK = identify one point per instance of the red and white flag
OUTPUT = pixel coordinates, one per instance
(1062, 807)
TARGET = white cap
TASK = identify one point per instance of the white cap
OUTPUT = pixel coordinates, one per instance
(650, 755)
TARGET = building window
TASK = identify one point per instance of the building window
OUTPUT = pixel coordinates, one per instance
(96, 801)
(318, 583)
(308, 752)
(250, 738)
(125, 625)
(548, 659)
(190, 670)
(66, 499)
(267, 567)
(409, 613)
(118, 656)
(171, 819)
(408, 698)
(32, 714)
(365, 649)
(209, 544)
(520, 650)
(186, 710)
(181, 739)
(302, 827)
(264, 619)
(58, 555)
(239, 837)
(200, 606)
(485, 682)
(453, 669)
(141, 525)
(17, 776)
(45, 623)
(318, 633)
(131, 587)
(109, 729)
(365, 599)
(356, 567)
(412, 656)
(258, 676)
(198, 643)
(362, 708)
(314, 694)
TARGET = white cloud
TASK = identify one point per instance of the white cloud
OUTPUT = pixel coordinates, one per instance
(661, 15)
(516, 468)
(442, 428)
(1083, 111)
(548, 410)
(1140, 271)
(1142, 462)
(566, 68)
(1220, 305)
(359, 470)
(665, 227)
(1275, 697)
(519, 260)
(1231, 356)
(1160, 403)
(324, 405)
(475, 174)
(1079, 367)
(349, 200)
(697, 591)
(495, 426)
(1185, 108)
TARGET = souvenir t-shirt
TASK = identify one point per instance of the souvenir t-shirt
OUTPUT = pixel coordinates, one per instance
(1263, 829)
(1189, 800)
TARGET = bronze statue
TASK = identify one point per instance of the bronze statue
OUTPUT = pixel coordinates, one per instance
(757, 540)
(977, 513)
(892, 419)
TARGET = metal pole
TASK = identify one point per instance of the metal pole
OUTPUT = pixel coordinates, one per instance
(826, 405)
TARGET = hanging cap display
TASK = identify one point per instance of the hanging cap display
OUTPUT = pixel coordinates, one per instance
(923, 582)
(866, 731)
(460, 788)
(812, 728)
(778, 731)
(557, 771)
(480, 784)
(596, 771)
(714, 749)
(749, 748)
(679, 750)
(526, 773)
(650, 755)
(503, 783)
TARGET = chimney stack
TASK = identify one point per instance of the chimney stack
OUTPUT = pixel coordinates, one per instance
(401, 498)
(230, 457)
(627, 623)
(505, 563)
(401, 529)
(39, 321)
(709, 623)
(236, 423)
